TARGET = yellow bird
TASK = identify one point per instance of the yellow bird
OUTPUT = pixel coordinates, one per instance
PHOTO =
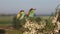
(21, 14)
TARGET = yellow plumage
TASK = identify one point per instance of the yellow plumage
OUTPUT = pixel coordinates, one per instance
(18, 16)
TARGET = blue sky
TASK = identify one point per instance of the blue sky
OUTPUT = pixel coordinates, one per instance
(14, 6)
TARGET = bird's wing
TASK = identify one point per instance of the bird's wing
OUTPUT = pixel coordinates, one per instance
(28, 13)
(18, 16)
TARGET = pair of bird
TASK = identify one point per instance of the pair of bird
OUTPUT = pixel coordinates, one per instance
(21, 14)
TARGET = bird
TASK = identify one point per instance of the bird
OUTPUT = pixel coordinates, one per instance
(21, 15)
(31, 12)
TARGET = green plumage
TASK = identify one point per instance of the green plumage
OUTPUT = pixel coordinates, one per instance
(31, 13)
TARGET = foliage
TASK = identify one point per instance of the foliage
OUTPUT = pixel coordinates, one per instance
(37, 19)
(22, 21)
(40, 30)
(49, 25)
(17, 24)
(32, 19)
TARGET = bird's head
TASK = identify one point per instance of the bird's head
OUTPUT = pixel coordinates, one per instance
(32, 10)
(22, 12)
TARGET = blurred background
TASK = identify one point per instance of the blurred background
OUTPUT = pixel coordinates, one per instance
(43, 7)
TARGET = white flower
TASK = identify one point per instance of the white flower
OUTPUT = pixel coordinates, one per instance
(25, 32)
(29, 28)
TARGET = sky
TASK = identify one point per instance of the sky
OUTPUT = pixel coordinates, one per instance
(41, 6)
